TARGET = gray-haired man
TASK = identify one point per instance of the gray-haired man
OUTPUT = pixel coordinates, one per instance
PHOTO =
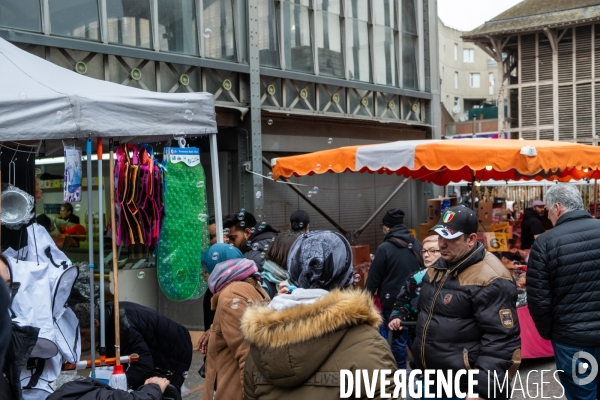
(563, 290)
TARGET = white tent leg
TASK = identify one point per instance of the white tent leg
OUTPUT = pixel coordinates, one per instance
(214, 165)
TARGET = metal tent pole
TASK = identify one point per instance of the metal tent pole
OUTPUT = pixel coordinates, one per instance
(214, 165)
(101, 249)
(91, 252)
(114, 258)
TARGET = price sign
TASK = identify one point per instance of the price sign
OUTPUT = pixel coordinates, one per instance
(503, 228)
(496, 241)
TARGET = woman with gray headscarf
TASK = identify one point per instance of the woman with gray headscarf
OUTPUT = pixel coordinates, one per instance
(301, 341)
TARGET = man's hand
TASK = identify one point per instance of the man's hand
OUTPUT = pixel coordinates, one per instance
(161, 382)
(395, 325)
(203, 342)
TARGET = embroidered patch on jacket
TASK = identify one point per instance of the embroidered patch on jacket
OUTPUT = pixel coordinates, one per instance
(447, 298)
(506, 318)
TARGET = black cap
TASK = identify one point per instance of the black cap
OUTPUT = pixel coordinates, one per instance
(299, 220)
(455, 222)
(393, 217)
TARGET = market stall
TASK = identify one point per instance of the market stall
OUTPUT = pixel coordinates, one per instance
(47, 107)
(443, 162)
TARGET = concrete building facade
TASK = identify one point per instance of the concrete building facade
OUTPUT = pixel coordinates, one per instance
(467, 73)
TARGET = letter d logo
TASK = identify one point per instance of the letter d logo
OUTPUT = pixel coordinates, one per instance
(582, 367)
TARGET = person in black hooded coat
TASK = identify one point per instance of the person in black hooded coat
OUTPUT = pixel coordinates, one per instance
(164, 346)
(252, 238)
(531, 226)
(396, 258)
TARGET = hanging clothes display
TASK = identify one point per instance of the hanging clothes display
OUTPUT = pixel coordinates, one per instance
(184, 233)
(138, 197)
(73, 174)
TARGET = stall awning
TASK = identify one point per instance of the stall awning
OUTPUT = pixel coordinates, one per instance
(40, 100)
(445, 161)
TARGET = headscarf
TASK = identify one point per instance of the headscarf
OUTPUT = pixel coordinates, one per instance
(231, 271)
(320, 260)
(218, 253)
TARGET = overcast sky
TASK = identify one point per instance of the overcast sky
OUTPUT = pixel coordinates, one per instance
(466, 15)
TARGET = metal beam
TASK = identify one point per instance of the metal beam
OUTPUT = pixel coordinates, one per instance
(385, 203)
(116, 50)
(337, 226)
(298, 76)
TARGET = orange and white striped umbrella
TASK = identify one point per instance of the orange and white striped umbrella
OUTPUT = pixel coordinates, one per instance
(445, 161)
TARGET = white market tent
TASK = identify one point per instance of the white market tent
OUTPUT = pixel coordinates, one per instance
(40, 100)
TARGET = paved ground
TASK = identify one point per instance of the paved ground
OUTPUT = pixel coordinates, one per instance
(529, 373)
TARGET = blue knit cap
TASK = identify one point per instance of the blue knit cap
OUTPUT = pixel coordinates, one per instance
(218, 253)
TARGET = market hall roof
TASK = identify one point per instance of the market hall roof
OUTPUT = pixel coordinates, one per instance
(535, 15)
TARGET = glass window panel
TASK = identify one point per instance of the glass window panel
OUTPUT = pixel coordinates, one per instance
(384, 12)
(219, 41)
(385, 54)
(359, 63)
(329, 44)
(468, 55)
(21, 14)
(296, 36)
(358, 9)
(177, 28)
(409, 19)
(332, 6)
(129, 22)
(267, 34)
(76, 18)
(409, 61)
(301, 2)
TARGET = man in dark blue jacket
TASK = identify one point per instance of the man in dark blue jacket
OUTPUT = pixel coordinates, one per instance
(563, 290)
(396, 258)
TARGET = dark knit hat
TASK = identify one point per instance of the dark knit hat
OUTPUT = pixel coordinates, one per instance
(320, 260)
(299, 220)
(393, 217)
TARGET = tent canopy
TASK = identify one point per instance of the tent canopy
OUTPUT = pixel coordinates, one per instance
(445, 161)
(40, 100)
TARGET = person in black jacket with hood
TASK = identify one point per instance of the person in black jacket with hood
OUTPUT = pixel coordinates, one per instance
(252, 238)
(531, 224)
(467, 310)
(91, 389)
(396, 258)
(563, 289)
(164, 346)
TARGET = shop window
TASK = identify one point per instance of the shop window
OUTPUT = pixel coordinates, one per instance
(469, 55)
(328, 35)
(21, 14)
(359, 60)
(267, 34)
(219, 40)
(296, 36)
(357, 9)
(385, 54)
(129, 22)
(384, 12)
(76, 18)
(409, 45)
(475, 80)
(177, 27)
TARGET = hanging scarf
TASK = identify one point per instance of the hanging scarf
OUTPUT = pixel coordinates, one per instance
(229, 271)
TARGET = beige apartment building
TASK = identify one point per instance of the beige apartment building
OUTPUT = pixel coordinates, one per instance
(467, 73)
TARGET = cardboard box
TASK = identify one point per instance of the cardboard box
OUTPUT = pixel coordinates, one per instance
(484, 213)
(434, 208)
(424, 231)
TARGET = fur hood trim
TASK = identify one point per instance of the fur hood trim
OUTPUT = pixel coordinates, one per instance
(337, 310)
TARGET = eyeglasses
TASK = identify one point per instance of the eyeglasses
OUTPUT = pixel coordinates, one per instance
(431, 252)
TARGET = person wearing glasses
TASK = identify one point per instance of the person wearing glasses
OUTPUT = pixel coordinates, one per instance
(396, 258)
(406, 305)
